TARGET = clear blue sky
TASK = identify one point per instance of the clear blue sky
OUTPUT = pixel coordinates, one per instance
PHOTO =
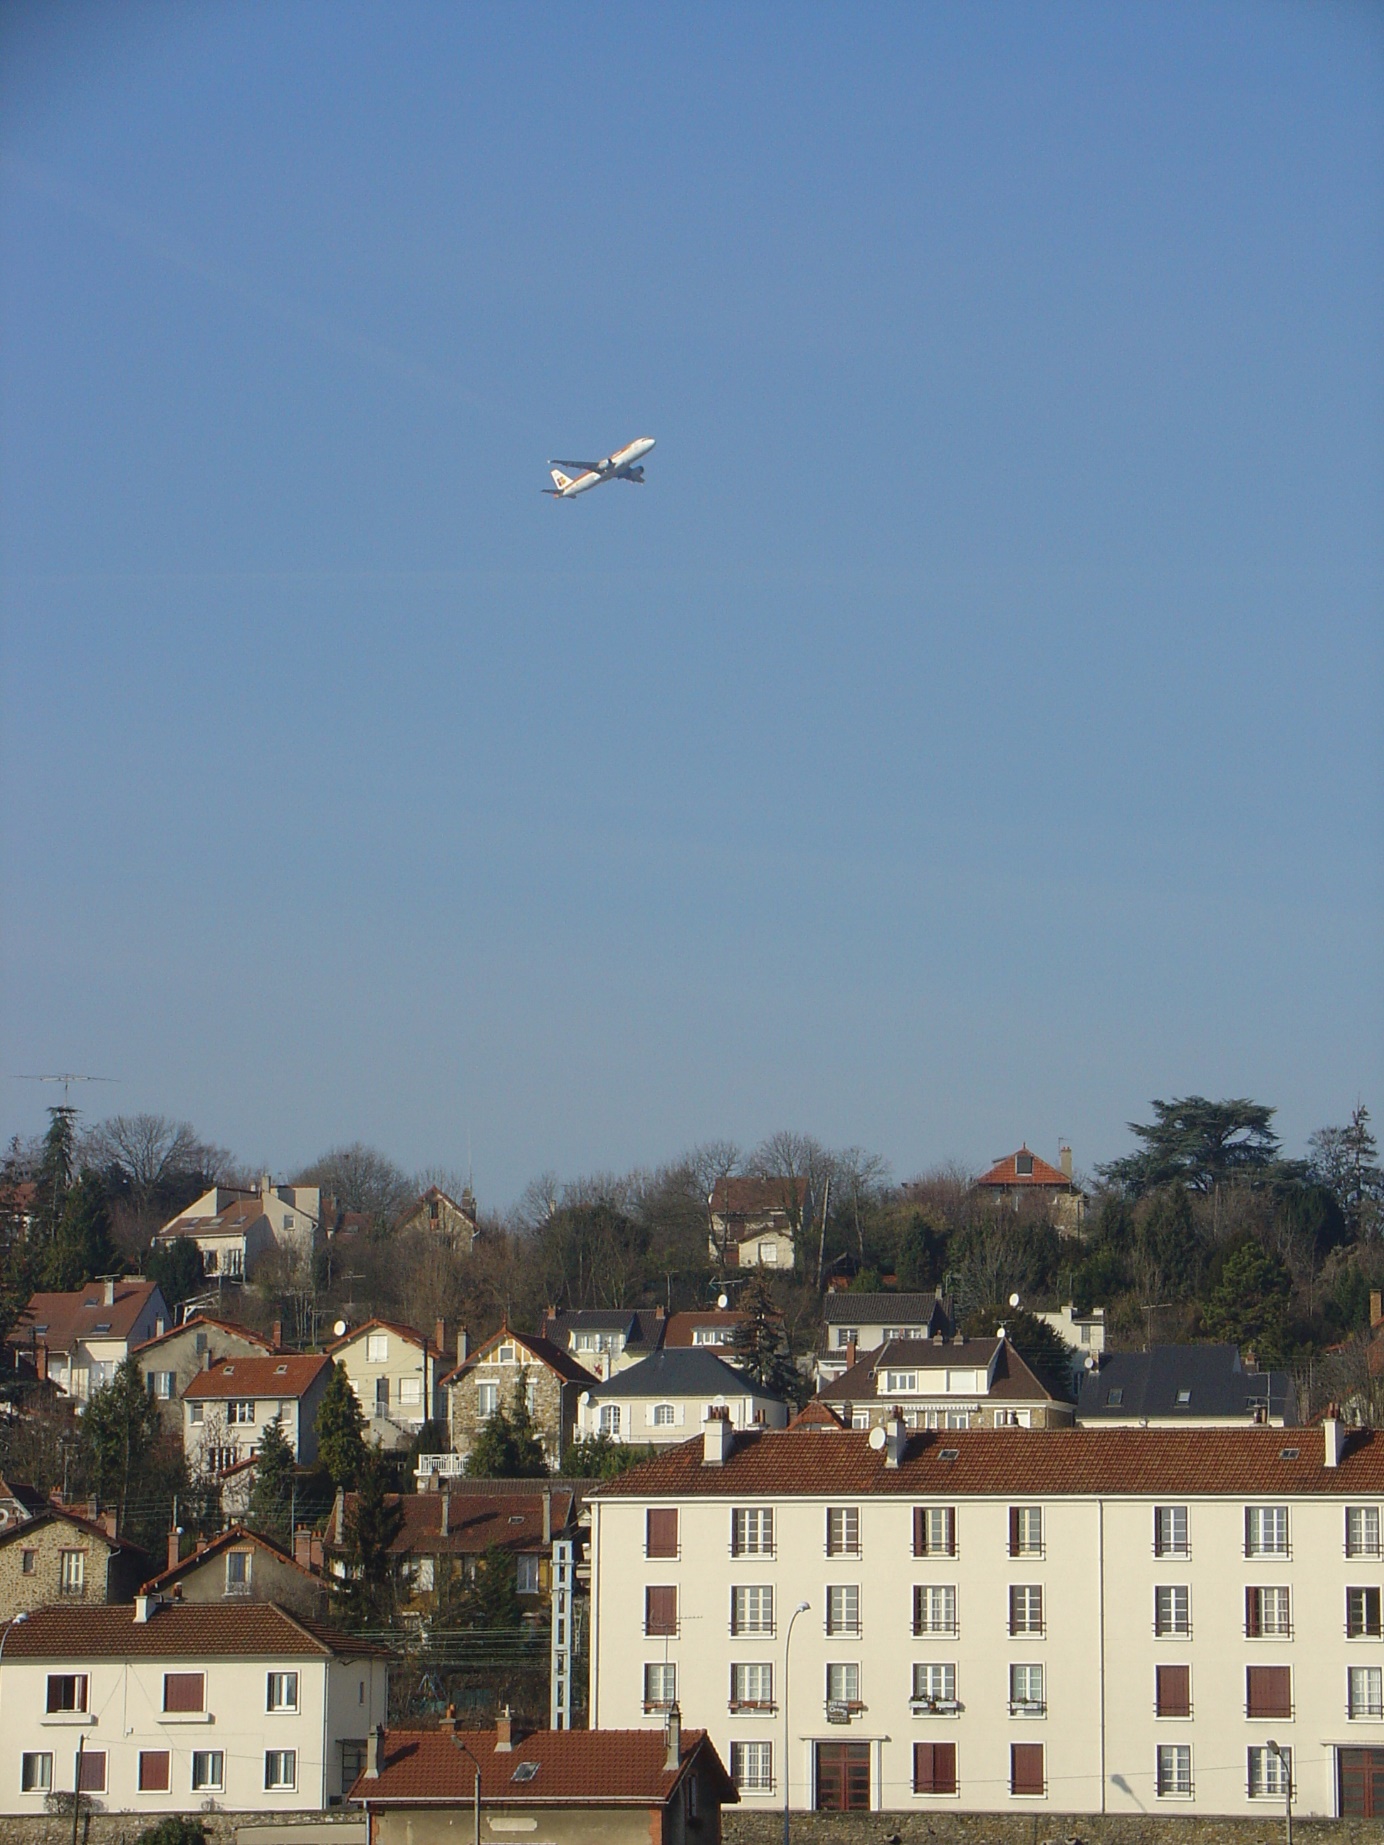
(971, 730)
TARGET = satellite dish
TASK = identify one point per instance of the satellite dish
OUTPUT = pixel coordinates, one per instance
(1014, 1300)
(723, 1301)
(1000, 1333)
(1090, 1361)
(585, 1398)
(341, 1329)
(876, 1439)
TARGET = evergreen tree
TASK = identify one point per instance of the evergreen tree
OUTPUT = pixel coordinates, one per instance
(176, 1265)
(1346, 1161)
(1045, 1352)
(598, 1457)
(119, 1430)
(56, 1166)
(1249, 1304)
(367, 1595)
(508, 1447)
(81, 1248)
(758, 1345)
(271, 1500)
(340, 1429)
(1198, 1143)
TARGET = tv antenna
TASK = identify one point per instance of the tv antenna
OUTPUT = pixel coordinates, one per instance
(66, 1078)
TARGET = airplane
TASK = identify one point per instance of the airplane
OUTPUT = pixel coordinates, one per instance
(622, 465)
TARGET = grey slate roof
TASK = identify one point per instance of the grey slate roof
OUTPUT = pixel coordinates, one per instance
(1211, 1376)
(683, 1371)
(640, 1325)
(842, 1308)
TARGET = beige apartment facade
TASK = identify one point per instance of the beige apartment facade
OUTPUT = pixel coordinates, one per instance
(1065, 1621)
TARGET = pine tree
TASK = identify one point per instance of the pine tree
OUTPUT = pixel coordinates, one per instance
(508, 1447)
(340, 1429)
(367, 1595)
(271, 1501)
(55, 1170)
(81, 1247)
(758, 1346)
(119, 1429)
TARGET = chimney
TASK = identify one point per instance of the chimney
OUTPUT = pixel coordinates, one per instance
(895, 1438)
(339, 1517)
(463, 1345)
(302, 1546)
(659, 1313)
(174, 1539)
(850, 1352)
(1376, 1307)
(206, 1358)
(440, 1335)
(41, 1362)
(1064, 1159)
(1334, 1432)
(444, 1527)
(716, 1438)
(106, 1520)
(276, 1338)
(547, 1514)
(451, 1723)
(146, 1607)
(266, 1185)
(108, 1290)
(160, 1326)
(673, 1734)
(504, 1732)
(374, 1753)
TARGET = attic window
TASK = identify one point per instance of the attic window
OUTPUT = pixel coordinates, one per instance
(102, 1326)
(516, 1518)
(525, 1771)
(1023, 1165)
(1288, 1454)
(1183, 1398)
(1114, 1397)
(505, 1356)
(229, 1371)
(281, 1370)
(949, 1454)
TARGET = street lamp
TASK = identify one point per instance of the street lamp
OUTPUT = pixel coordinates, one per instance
(17, 1620)
(476, 1765)
(801, 1608)
(1285, 1762)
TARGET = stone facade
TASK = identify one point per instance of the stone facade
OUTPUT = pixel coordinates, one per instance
(36, 1567)
(742, 1828)
(552, 1381)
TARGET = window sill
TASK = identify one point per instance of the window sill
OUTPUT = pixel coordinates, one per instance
(68, 1719)
(183, 1716)
(750, 1709)
(1028, 1710)
(942, 1707)
(1365, 1716)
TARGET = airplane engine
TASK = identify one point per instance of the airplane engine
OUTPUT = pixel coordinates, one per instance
(634, 474)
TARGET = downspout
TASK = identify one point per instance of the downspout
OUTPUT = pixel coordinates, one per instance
(1100, 1575)
(593, 1621)
(326, 1745)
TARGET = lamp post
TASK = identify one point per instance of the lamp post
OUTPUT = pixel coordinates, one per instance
(801, 1608)
(1285, 1762)
(17, 1620)
(476, 1765)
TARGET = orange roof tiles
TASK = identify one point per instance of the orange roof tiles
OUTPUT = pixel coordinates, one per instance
(587, 1767)
(58, 1320)
(543, 1350)
(282, 1374)
(181, 1630)
(1006, 1172)
(513, 1521)
(409, 1334)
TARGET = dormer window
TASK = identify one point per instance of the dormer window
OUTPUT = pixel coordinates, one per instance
(505, 1355)
(1023, 1165)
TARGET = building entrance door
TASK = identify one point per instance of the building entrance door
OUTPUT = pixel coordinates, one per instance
(1361, 1776)
(843, 1777)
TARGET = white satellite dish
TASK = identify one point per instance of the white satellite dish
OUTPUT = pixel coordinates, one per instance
(341, 1329)
(585, 1398)
(1090, 1361)
(877, 1438)
(1014, 1300)
(723, 1301)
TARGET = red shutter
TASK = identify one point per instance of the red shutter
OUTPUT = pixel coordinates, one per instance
(919, 1534)
(661, 1532)
(1252, 1616)
(1014, 1538)
(183, 1691)
(153, 1771)
(1268, 1691)
(1174, 1691)
(92, 1776)
(1026, 1768)
(934, 1768)
(660, 1610)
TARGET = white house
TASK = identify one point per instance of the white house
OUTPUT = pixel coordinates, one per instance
(395, 1373)
(78, 1340)
(1125, 1621)
(670, 1395)
(227, 1408)
(853, 1324)
(234, 1229)
(163, 1708)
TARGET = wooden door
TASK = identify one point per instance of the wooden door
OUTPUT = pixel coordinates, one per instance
(1361, 1775)
(843, 1777)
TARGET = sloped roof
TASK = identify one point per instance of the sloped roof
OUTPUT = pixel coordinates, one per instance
(543, 1351)
(52, 1513)
(640, 1325)
(1006, 1172)
(182, 1630)
(1216, 1384)
(753, 1197)
(513, 1521)
(817, 1415)
(1038, 1463)
(588, 1767)
(689, 1371)
(281, 1374)
(237, 1216)
(29, 1497)
(1012, 1380)
(197, 1320)
(60, 1320)
(408, 1333)
(843, 1308)
(680, 1327)
(237, 1537)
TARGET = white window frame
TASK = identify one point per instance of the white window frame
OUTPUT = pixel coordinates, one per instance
(1365, 1693)
(1027, 1691)
(240, 1412)
(275, 1761)
(1172, 1771)
(242, 1586)
(1170, 1534)
(665, 1416)
(72, 1572)
(1027, 1609)
(36, 1771)
(214, 1772)
(752, 1685)
(377, 1348)
(1172, 1611)
(660, 1684)
(934, 1608)
(752, 1767)
(752, 1609)
(843, 1608)
(934, 1682)
(487, 1398)
(281, 1692)
(843, 1682)
(843, 1531)
(1267, 1532)
(610, 1420)
(752, 1531)
(1267, 1774)
(1028, 1530)
(1362, 1531)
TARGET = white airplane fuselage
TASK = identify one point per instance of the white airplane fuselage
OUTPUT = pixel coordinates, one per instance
(622, 465)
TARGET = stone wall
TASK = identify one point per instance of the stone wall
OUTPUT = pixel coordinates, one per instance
(124, 1828)
(1039, 1829)
(41, 1587)
(552, 1407)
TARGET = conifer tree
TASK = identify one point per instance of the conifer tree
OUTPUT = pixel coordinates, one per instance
(119, 1429)
(340, 1429)
(271, 1501)
(56, 1167)
(367, 1595)
(758, 1346)
(508, 1447)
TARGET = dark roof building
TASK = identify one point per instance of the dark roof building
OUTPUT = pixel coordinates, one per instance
(955, 1383)
(1208, 1386)
(668, 1396)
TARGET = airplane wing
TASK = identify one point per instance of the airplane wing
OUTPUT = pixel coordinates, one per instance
(590, 467)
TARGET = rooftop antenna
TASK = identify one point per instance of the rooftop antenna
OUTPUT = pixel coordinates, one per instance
(66, 1078)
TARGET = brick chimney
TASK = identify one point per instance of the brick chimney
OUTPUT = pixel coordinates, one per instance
(307, 1548)
(851, 1353)
(106, 1520)
(547, 1514)
(276, 1338)
(463, 1345)
(1376, 1307)
(504, 1732)
(1064, 1159)
(440, 1335)
(174, 1540)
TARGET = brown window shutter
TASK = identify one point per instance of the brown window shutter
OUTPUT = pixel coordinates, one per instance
(951, 1552)
(919, 1536)
(661, 1534)
(1174, 1691)
(1026, 1768)
(661, 1610)
(183, 1691)
(934, 1768)
(93, 1771)
(153, 1771)
(1269, 1691)
(1014, 1538)
(1252, 1613)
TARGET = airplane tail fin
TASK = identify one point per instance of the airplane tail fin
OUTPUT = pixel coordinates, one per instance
(561, 480)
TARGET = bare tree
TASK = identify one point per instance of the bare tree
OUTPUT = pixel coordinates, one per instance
(153, 1166)
(858, 1178)
(362, 1179)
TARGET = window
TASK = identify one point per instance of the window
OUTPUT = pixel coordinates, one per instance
(844, 1336)
(934, 1768)
(1266, 1530)
(184, 1691)
(1025, 1608)
(752, 1767)
(901, 1383)
(89, 1771)
(1362, 1614)
(195, 1412)
(752, 1532)
(1173, 1774)
(280, 1770)
(240, 1411)
(154, 1777)
(843, 1531)
(752, 1687)
(487, 1398)
(1173, 1691)
(1269, 1772)
(161, 1384)
(843, 1684)
(661, 1610)
(1172, 1610)
(610, 1420)
(352, 1762)
(67, 1691)
(209, 1770)
(1268, 1691)
(665, 1416)
(1362, 1530)
(1267, 1613)
(36, 1772)
(752, 1610)
(768, 1254)
(660, 1686)
(661, 1531)
(843, 1609)
(1365, 1691)
(933, 1683)
(1170, 1531)
(934, 1531)
(282, 1691)
(1023, 1165)
(411, 1391)
(238, 1572)
(1114, 1397)
(377, 1348)
(1026, 1697)
(1025, 1531)
(28, 1559)
(527, 1576)
(934, 1608)
(1026, 1769)
(72, 1572)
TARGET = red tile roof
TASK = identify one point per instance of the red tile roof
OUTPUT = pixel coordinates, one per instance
(223, 1541)
(514, 1521)
(61, 1514)
(538, 1348)
(757, 1197)
(408, 1333)
(1035, 1462)
(76, 1315)
(816, 1415)
(1013, 1378)
(1006, 1172)
(679, 1327)
(206, 1319)
(575, 1767)
(282, 1374)
(181, 1630)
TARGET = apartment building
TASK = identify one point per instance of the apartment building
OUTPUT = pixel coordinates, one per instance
(990, 1620)
(158, 1708)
